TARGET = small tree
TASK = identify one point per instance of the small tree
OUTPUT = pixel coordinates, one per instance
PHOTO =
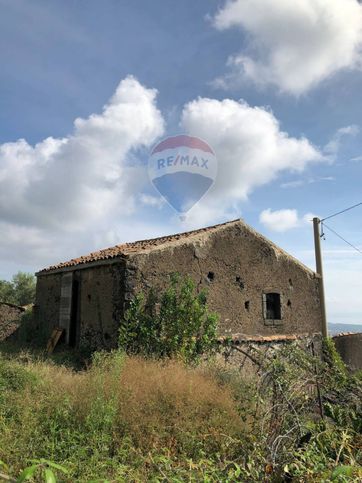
(7, 292)
(24, 288)
(20, 291)
(177, 324)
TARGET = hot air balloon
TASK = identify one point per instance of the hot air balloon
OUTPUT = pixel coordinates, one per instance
(182, 168)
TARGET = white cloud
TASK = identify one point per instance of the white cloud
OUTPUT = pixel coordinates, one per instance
(76, 180)
(209, 212)
(250, 147)
(69, 196)
(279, 220)
(308, 217)
(333, 146)
(81, 183)
(294, 45)
(356, 159)
(293, 184)
(154, 201)
(301, 182)
(284, 220)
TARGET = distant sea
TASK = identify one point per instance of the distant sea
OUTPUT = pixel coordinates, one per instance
(338, 328)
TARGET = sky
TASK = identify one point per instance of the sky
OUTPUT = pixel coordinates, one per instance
(87, 88)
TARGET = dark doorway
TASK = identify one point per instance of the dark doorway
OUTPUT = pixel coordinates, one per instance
(74, 315)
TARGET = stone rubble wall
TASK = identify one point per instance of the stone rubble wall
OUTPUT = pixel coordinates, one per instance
(10, 316)
(349, 347)
(249, 355)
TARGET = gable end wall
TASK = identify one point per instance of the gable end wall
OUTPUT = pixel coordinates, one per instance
(245, 265)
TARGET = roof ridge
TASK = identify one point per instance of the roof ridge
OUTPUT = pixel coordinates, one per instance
(183, 233)
(138, 246)
(117, 250)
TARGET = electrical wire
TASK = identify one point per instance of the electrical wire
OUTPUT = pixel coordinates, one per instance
(343, 211)
(323, 225)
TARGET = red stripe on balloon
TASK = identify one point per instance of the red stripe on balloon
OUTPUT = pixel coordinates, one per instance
(182, 140)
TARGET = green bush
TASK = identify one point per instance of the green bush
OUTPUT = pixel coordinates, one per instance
(14, 377)
(124, 419)
(177, 324)
(20, 290)
(128, 418)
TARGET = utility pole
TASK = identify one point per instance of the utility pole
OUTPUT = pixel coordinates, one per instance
(318, 259)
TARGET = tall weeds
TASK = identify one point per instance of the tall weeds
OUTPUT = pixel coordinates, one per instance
(116, 418)
(134, 419)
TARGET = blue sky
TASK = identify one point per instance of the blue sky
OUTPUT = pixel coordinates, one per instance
(275, 90)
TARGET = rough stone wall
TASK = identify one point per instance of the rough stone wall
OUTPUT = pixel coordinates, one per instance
(249, 356)
(101, 305)
(234, 264)
(244, 265)
(349, 347)
(47, 302)
(9, 319)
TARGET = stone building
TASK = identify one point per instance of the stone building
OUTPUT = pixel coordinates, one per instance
(349, 347)
(10, 316)
(256, 287)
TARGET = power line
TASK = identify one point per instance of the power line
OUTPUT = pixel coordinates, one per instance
(339, 236)
(343, 211)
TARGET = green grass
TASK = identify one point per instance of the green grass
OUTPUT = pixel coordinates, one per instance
(124, 418)
(130, 419)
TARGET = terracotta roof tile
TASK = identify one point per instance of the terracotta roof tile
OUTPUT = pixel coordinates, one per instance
(346, 334)
(133, 247)
(241, 338)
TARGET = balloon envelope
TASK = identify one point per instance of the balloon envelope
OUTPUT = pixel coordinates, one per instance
(182, 169)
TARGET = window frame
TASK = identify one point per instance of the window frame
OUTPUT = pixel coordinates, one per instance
(272, 321)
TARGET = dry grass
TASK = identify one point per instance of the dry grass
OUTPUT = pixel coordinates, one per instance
(84, 419)
(134, 420)
(163, 404)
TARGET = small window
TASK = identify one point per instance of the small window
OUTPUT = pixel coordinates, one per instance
(272, 306)
(210, 276)
(239, 282)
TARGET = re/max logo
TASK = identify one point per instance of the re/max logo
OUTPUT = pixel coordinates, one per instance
(182, 161)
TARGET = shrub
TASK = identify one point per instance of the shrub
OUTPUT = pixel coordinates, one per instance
(14, 377)
(179, 324)
(20, 291)
(125, 418)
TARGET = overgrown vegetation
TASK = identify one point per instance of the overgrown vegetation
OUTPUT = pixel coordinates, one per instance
(148, 412)
(20, 290)
(124, 418)
(128, 418)
(176, 324)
